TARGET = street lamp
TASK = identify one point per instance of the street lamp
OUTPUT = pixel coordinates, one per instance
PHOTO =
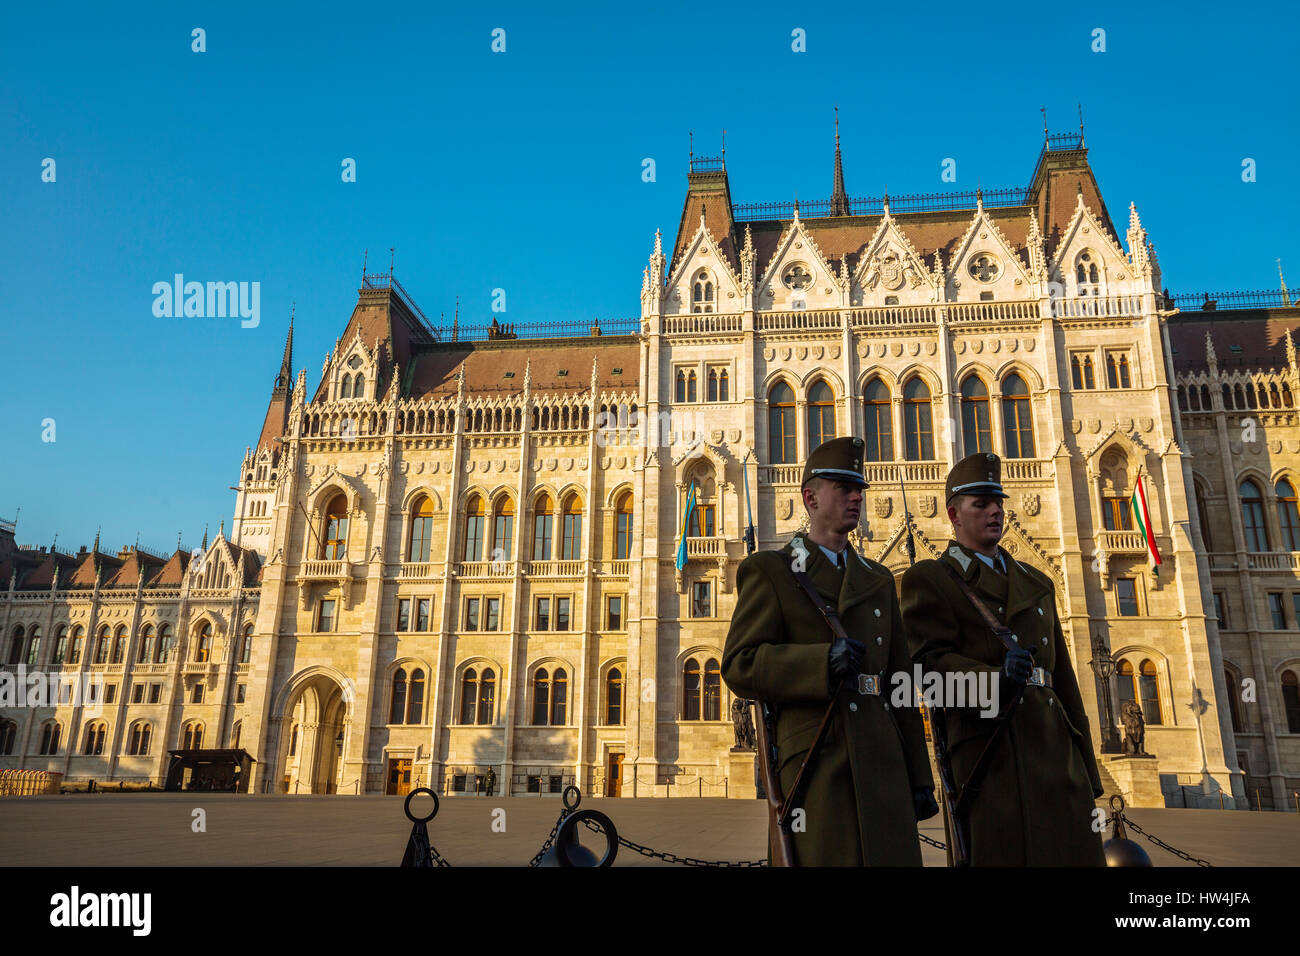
(1103, 665)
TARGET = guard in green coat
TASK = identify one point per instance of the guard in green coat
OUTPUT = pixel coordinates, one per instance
(869, 781)
(1035, 804)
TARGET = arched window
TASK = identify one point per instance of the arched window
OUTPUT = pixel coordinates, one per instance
(487, 695)
(203, 646)
(34, 646)
(1017, 418)
(1204, 516)
(8, 730)
(780, 423)
(917, 431)
(397, 706)
(474, 529)
(74, 652)
(623, 527)
(359, 386)
(93, 746)
(336, 529)
(293, 741)
(879, 415)
(614, 697)
(1081, 375)
(503, 529)
(478, 696)
(1291, 700)
(468, 696)
(415, 698)
(690, 386)
(421, 530)
(138, 741)
(119, 645)
(976, 432)
(246, 645)
(821, 414)
(713, 384)
(718, 385)
(60, 644)
(712, 690)
(681, 385)
(702, 293)
(1149, 692)
(543, 528)
(1233, 686)
(50, 733)
(345, 389)
(1288, 518)
(101, 646)
(571, 540)
(145, 654)
(1124, 682)
(193, 736)
(1252, 517)
(691, 688)
(165, 644)
(550, 696)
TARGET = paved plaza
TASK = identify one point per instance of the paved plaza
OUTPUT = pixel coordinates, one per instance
(155, 829)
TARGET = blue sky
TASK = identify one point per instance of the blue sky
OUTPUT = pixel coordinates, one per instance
(522, 170)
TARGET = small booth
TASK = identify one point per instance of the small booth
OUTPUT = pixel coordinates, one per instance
(213, 771)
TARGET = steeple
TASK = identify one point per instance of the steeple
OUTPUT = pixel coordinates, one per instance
(839, 199)
(1286, 296)
(286, 364)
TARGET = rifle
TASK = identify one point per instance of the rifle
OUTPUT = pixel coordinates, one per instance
(953, 825)
(781, 845)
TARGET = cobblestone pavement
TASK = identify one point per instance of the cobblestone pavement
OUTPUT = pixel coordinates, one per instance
(154, 829)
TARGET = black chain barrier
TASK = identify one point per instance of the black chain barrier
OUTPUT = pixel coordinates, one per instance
(1165, 846)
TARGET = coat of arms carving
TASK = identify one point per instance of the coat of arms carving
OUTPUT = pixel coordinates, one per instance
(1031, 503)
(883, 506)
(929, 505)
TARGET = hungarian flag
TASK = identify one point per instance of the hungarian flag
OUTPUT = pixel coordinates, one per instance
(1142, 515)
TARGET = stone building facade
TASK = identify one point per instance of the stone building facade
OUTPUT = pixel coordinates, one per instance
(459, 552)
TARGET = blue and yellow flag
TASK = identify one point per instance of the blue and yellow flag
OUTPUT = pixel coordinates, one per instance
(686, 526)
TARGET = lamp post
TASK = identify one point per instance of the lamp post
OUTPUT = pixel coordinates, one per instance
(1103, 666)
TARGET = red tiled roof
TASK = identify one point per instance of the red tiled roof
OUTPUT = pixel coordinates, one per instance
(486, 365)
(1258, 334)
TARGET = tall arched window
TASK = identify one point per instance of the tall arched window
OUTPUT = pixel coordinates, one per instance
(1252, 517)
(780, 424)
(821, 414)
(1233, 686)
(478, 696)
(16, 646)
(119, 645)
(293, 741)
(415, 697)
(336, 529)
(702, 293)
(623, 527)
(975, 429)
(691, 690)
(1149, 690)
(474, 529)
(1203, 515)
(138, 745)
(680, 392)
(1017, 418)
(487, 695)
(34, 646)
(1124, 683)
(246, 645)
(879, 420)
(193, 736)
(1288, 518)
(8, 731)
(93, 746)
(917, 430)
(146, 652)
(50, 733)
(614, 697)
(60, 644)
(690, 386)
(718, 385)
(421, 530)
(203, 646)
(234, 734)
(74, 652)
(1076, 372)
(1291, 700)
(397, 705)
(359, 386)
(345, 388)
(550, 697)
(101, 646)
(543, 528)
(165, 643)
(503, 528)
(712, 690)
(571, 539)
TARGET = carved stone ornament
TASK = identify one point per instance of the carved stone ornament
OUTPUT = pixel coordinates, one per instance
(1094, 425)
(1029, 345)
(929, 506)
(1125, 424)
(785, 355)
(1013, 344)
(995, 346)
(1076, 425)
(931, 348)
(733, 435)
(1030, 503)
(1147, 423)
(785, 508)
(961, 347)
(977, 346)
(883, 505)
(769, 354)
(715, 436)
(863, 349)
(835, 351)
(818, 351)
(914, 348)
(801, 353)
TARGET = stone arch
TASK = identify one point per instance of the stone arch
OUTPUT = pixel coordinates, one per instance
(611, 498)
(408, 501)
(831, 377)
(1027, 372)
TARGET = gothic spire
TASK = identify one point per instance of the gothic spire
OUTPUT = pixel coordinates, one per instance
(839, 199)
(286, 364)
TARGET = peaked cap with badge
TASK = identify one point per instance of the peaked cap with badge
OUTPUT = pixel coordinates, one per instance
(839, 459)
(1035, 805)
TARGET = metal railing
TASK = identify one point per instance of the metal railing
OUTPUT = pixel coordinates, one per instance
(875, 205)
(1215, 301)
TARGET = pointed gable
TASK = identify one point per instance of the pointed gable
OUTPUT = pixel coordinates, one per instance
(984, 260)
(703, 265)
(798, 275)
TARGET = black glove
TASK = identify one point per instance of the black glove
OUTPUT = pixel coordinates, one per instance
(923, 801)
(1018, 665)
(845, 659)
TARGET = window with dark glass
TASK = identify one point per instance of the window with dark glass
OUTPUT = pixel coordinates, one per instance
(821, 414)
(422, 614)
(614, 697)
(623, 527)
(562, 614)
(691, 687)
(702, 599)
(421, 530)
(1291, 701)
(571, 540)
(492, 614)
(543, 525)
(1288, 517)
(780, 421)
(403, 614)
(543, 614)
(1275, 610)
(503, 530)
(1126, 593)
(326, 617)
(917, 428)
(975, 429)
(879, 422)
(1252, 517)
(1017, 418)
(614, 613)
(471, 614)
(474, 529)
(336, 529)
(1149, 688)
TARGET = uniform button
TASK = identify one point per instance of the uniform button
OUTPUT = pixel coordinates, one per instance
(1044, 642)
(853, 707)
(1050, 702)
(1016, 639)
(1040, 612)
(999, 610)
(879, 639)
(885, 704)
(877, 612)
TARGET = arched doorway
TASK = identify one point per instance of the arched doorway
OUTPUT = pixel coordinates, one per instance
(315, 721)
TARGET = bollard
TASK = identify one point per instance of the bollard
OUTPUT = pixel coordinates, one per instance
(1119, 849)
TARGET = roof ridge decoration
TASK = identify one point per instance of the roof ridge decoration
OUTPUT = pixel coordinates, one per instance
(748, 258)
(1037, 250)
(870, 260)
(702, 235)
(1083, 211)
(1138, 259)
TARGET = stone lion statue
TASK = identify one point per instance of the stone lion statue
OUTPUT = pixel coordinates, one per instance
(1134, 729)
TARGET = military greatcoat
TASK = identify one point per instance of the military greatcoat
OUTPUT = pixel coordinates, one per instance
(857, 794)
(1035, 805)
